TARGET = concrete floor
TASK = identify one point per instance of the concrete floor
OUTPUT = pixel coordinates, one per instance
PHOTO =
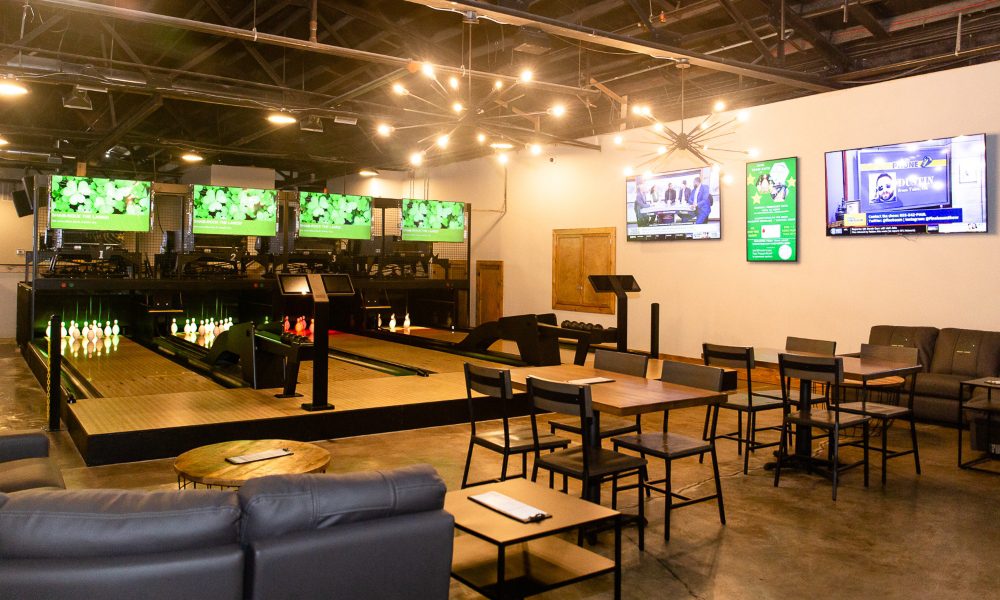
(936, 535)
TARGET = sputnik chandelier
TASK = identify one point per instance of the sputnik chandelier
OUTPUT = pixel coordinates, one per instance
(704, 140)
(491, 121)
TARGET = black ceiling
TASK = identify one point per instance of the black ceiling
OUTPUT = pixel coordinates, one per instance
(166, 77)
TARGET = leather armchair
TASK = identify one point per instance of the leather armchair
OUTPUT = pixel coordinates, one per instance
(25, 463)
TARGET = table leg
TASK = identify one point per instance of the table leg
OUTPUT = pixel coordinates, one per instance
(593, 490)
(501, 570)
(803, 433)
(961, 396)
(618, 557)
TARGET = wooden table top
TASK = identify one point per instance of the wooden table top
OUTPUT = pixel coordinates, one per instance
(567, 512)
(627, 394)
(207, 465)
(855, 367)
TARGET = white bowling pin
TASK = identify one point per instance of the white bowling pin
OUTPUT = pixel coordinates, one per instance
(218, 329)
(392, 322)
(406, 321)
(173, 327)
(201, 327)
(48, 330)
(98, 332)
(115, 330)
(89, 333)
(62, 328)
(379, 322)
(107, 329)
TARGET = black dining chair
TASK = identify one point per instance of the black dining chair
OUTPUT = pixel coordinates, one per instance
(830, 371)
(890, 407)
(625, 363)
(588, 462)
(747, 404)
(811, 346)
(496, 386)
(673, 446)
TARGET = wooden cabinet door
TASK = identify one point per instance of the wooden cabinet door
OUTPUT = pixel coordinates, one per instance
(489, 291)
(577, 253)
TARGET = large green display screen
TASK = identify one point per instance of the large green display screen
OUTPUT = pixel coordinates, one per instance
(772, 207)
(433, 221)
(335, 216)
(234, 211)
(99, 204)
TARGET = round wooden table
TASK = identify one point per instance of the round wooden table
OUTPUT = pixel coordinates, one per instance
(207, 465)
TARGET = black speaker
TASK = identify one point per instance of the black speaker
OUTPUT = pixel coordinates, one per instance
(22, 204)
(29, 187)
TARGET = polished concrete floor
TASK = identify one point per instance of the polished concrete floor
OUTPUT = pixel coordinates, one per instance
(936, 535)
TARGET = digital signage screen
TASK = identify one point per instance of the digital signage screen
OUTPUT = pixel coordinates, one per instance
(433, 221)
(335, 216)
(933, 186)
(99, 204)
(678, 205)
(234, 211)
(772, 210)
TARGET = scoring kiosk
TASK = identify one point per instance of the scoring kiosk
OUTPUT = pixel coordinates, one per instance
(320, 287)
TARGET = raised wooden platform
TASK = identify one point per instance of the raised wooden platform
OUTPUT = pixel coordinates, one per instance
(149, 407)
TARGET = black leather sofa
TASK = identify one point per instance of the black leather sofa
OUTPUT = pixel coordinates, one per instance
(366, 535)
(949, 356)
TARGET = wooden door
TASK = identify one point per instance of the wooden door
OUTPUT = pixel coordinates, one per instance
(577, 253)
(489, 290)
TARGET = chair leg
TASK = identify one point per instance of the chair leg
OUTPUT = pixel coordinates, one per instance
(739, 434)
(566, 485)
(885, 448)
(534, 472)
(718, 487)
(751, 423)
(614, 492)
(468, 462)
(782, 448)
(913, 438)
(710, 412)
(864, 430)
(524, 464)
(642, 511)
(704, 429)
(835, 458)
(668, 506)
(503, 467)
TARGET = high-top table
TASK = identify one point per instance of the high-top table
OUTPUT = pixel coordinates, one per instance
(860, 369)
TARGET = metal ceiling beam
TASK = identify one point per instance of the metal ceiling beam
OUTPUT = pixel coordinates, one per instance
(747, 29)
(115, 135)
(115, 12)
(868, 21)
(591, 35)
(31, 36)
(805, 29)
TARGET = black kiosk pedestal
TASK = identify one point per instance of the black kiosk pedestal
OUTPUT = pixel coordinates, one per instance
(618, 285)
(320, 287)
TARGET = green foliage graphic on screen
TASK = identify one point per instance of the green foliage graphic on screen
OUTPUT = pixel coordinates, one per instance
(433, 221)
(772, 206)
(234, 211)
(335, 216)
(99, 204)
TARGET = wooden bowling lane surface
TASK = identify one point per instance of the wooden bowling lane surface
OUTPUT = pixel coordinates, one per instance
(453, 337)
(338, 370)
(421, 358)
(101, 416)
(125, 368)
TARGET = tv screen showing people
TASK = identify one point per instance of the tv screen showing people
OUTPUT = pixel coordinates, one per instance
(932, 186)
(678, 205)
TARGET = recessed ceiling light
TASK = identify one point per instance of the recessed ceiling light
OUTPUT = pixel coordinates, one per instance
(281, 118)
(442, 141)
(383, 130)
(558, 110)
(416, 159)
(11, 87)
(503, 158)
(192, 157)
(719, 106)
(368, 173)
(526, 76)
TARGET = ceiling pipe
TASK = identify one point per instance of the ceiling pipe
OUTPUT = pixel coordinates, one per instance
(590, 35)
(313, 22)
(138, 16)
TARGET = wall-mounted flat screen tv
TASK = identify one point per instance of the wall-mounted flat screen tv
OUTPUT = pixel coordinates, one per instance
(677, 205)
(933, 186)
(234, 211)
(335, 216)
(99, 204)
(433, 221)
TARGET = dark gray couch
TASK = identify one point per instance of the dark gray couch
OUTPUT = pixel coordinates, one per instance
(949, 356)
(25, 462)
(367, 535)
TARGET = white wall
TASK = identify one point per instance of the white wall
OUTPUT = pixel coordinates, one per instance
(15, 235)
(707, 290)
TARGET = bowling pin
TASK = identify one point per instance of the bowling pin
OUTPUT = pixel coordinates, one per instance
(115, 330)
(379, 322)
(173, 327)
(62, 328)
(406, 321)
(392, 322)
(48, 330)
(218, 329)
(201, 327)
(288, 327)
(98, 332)
(107, 329)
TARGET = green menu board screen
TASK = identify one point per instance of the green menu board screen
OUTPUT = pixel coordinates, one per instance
(99, 204)
(433, 221)
(772, 206)
(234, 211)
(335, 216)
